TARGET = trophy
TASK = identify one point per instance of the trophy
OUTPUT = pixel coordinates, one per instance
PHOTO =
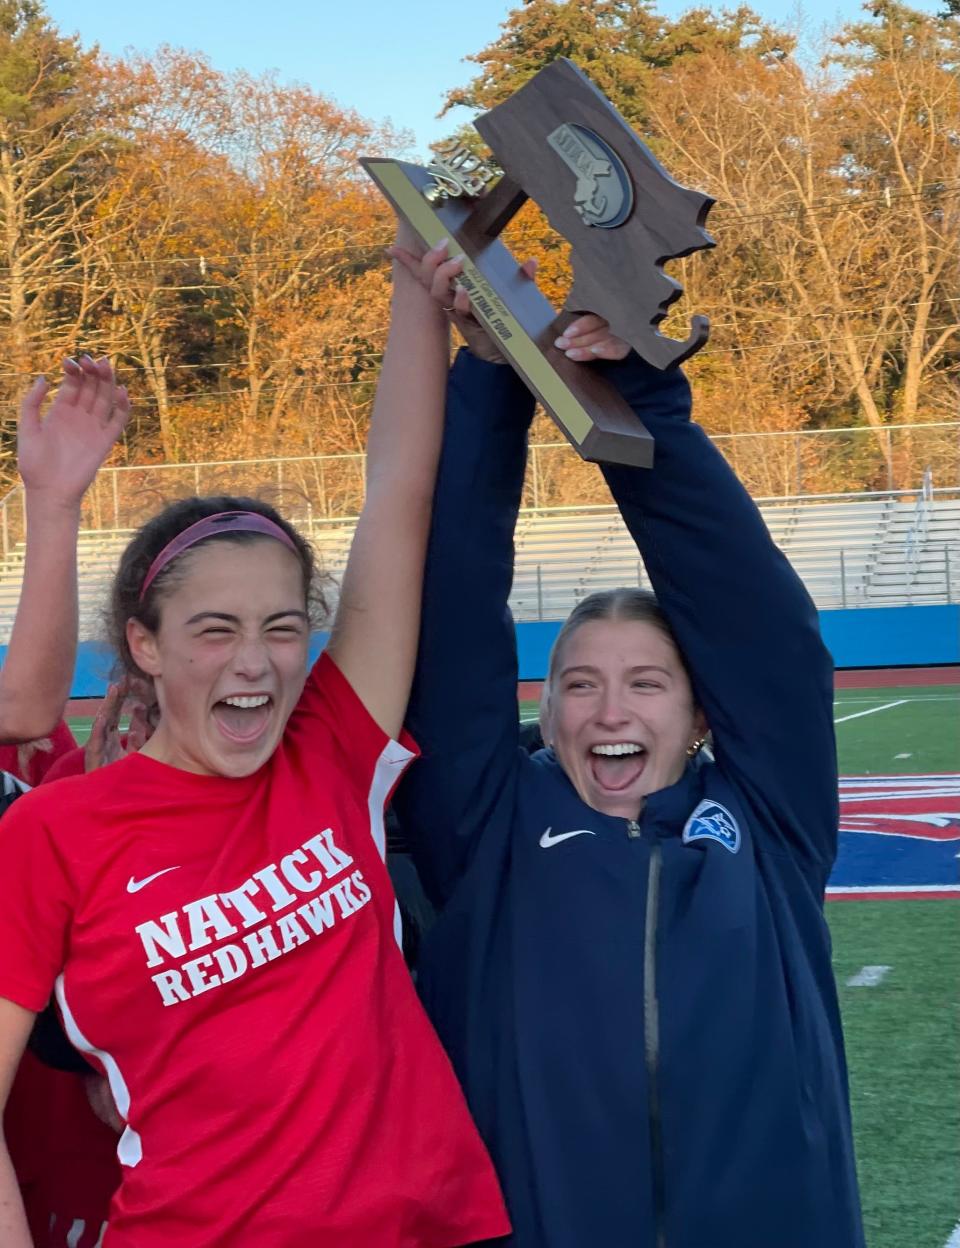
(559, 141)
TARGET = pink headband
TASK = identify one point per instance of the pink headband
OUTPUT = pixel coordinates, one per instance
(222, 522)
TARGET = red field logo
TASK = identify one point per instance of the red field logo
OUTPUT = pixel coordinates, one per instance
(899, 838)
(927, 807)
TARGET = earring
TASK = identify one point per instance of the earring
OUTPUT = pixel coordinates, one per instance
(695, 747)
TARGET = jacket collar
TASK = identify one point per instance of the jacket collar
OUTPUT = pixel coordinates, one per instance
(664, 812)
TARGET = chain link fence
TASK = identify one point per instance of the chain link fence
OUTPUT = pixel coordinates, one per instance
(330, 487)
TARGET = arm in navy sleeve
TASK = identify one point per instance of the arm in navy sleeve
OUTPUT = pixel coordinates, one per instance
(742, 617)
(463, 707)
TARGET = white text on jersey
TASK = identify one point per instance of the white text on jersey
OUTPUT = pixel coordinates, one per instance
(220, 916)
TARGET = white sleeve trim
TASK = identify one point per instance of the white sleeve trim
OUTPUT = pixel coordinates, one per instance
(389, 767)
(130, 1148)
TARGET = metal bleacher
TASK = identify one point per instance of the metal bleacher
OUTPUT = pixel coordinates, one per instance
(854, 552)
(98, 553)
(920, 561)
(851, 552)
(834, 545)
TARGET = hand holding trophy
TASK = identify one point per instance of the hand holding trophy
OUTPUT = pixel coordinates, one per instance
(559, 141)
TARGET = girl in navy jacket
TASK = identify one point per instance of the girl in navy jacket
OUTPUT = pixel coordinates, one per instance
(631, 969)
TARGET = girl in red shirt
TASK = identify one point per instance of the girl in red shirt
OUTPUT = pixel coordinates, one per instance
(213, 913)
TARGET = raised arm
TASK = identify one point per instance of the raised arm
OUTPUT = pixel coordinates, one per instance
(58, 456)
(374, 639)
(463, 708)
(741, 615)
(15, 1024)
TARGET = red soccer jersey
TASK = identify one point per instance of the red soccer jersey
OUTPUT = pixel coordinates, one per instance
(31, 760)
(65, 1158)
(226, 950)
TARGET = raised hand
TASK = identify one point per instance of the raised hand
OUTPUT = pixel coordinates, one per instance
(439, 275)
(481, 343)
(589, 338)
(59, 453)
(586, 338)
(435, 270)
(104, 745)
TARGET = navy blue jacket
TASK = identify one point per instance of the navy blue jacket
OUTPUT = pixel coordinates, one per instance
(644, 1019)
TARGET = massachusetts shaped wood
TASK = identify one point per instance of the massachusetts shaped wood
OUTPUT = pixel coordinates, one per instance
(544, 138)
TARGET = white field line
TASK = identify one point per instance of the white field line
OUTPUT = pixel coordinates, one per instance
(834, 889)
(923, 782)
(914, 697)
(873, 710)
(954, 1240)
(868, 976)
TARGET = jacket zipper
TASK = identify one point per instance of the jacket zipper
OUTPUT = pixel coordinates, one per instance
(651, 1038)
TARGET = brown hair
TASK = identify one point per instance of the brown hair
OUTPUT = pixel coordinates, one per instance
(151, 538)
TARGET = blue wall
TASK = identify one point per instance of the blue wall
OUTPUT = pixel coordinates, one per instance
(893, 636)
(866, 637)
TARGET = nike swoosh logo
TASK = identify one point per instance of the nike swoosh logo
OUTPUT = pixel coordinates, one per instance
(549, 839)
(134, 886)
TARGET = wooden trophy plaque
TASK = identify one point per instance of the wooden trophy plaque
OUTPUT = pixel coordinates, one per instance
(559, 141)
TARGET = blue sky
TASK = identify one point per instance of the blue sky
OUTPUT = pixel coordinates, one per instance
(385, 58)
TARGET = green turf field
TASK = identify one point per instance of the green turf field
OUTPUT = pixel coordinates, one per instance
(902, 1049)
(922, 734)
(80, 727)
(903, 1034)
(896, 731)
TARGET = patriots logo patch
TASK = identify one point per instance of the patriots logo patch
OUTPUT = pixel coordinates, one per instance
(711, 821)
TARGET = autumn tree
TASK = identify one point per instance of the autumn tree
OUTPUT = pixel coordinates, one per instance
(629, 51)
(214, 233)
(52, 144)
(300, 222)
(234, 216)
(898, 110)
(155, 223)
(837, 217)
(752, 133)
(621, 44)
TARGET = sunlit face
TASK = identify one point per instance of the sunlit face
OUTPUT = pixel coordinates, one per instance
(620, 714)
(229, 657)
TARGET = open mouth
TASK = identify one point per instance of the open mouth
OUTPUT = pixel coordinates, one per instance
(617, 765)
(243, 718)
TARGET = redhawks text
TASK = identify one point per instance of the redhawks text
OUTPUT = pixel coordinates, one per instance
(244, 912)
